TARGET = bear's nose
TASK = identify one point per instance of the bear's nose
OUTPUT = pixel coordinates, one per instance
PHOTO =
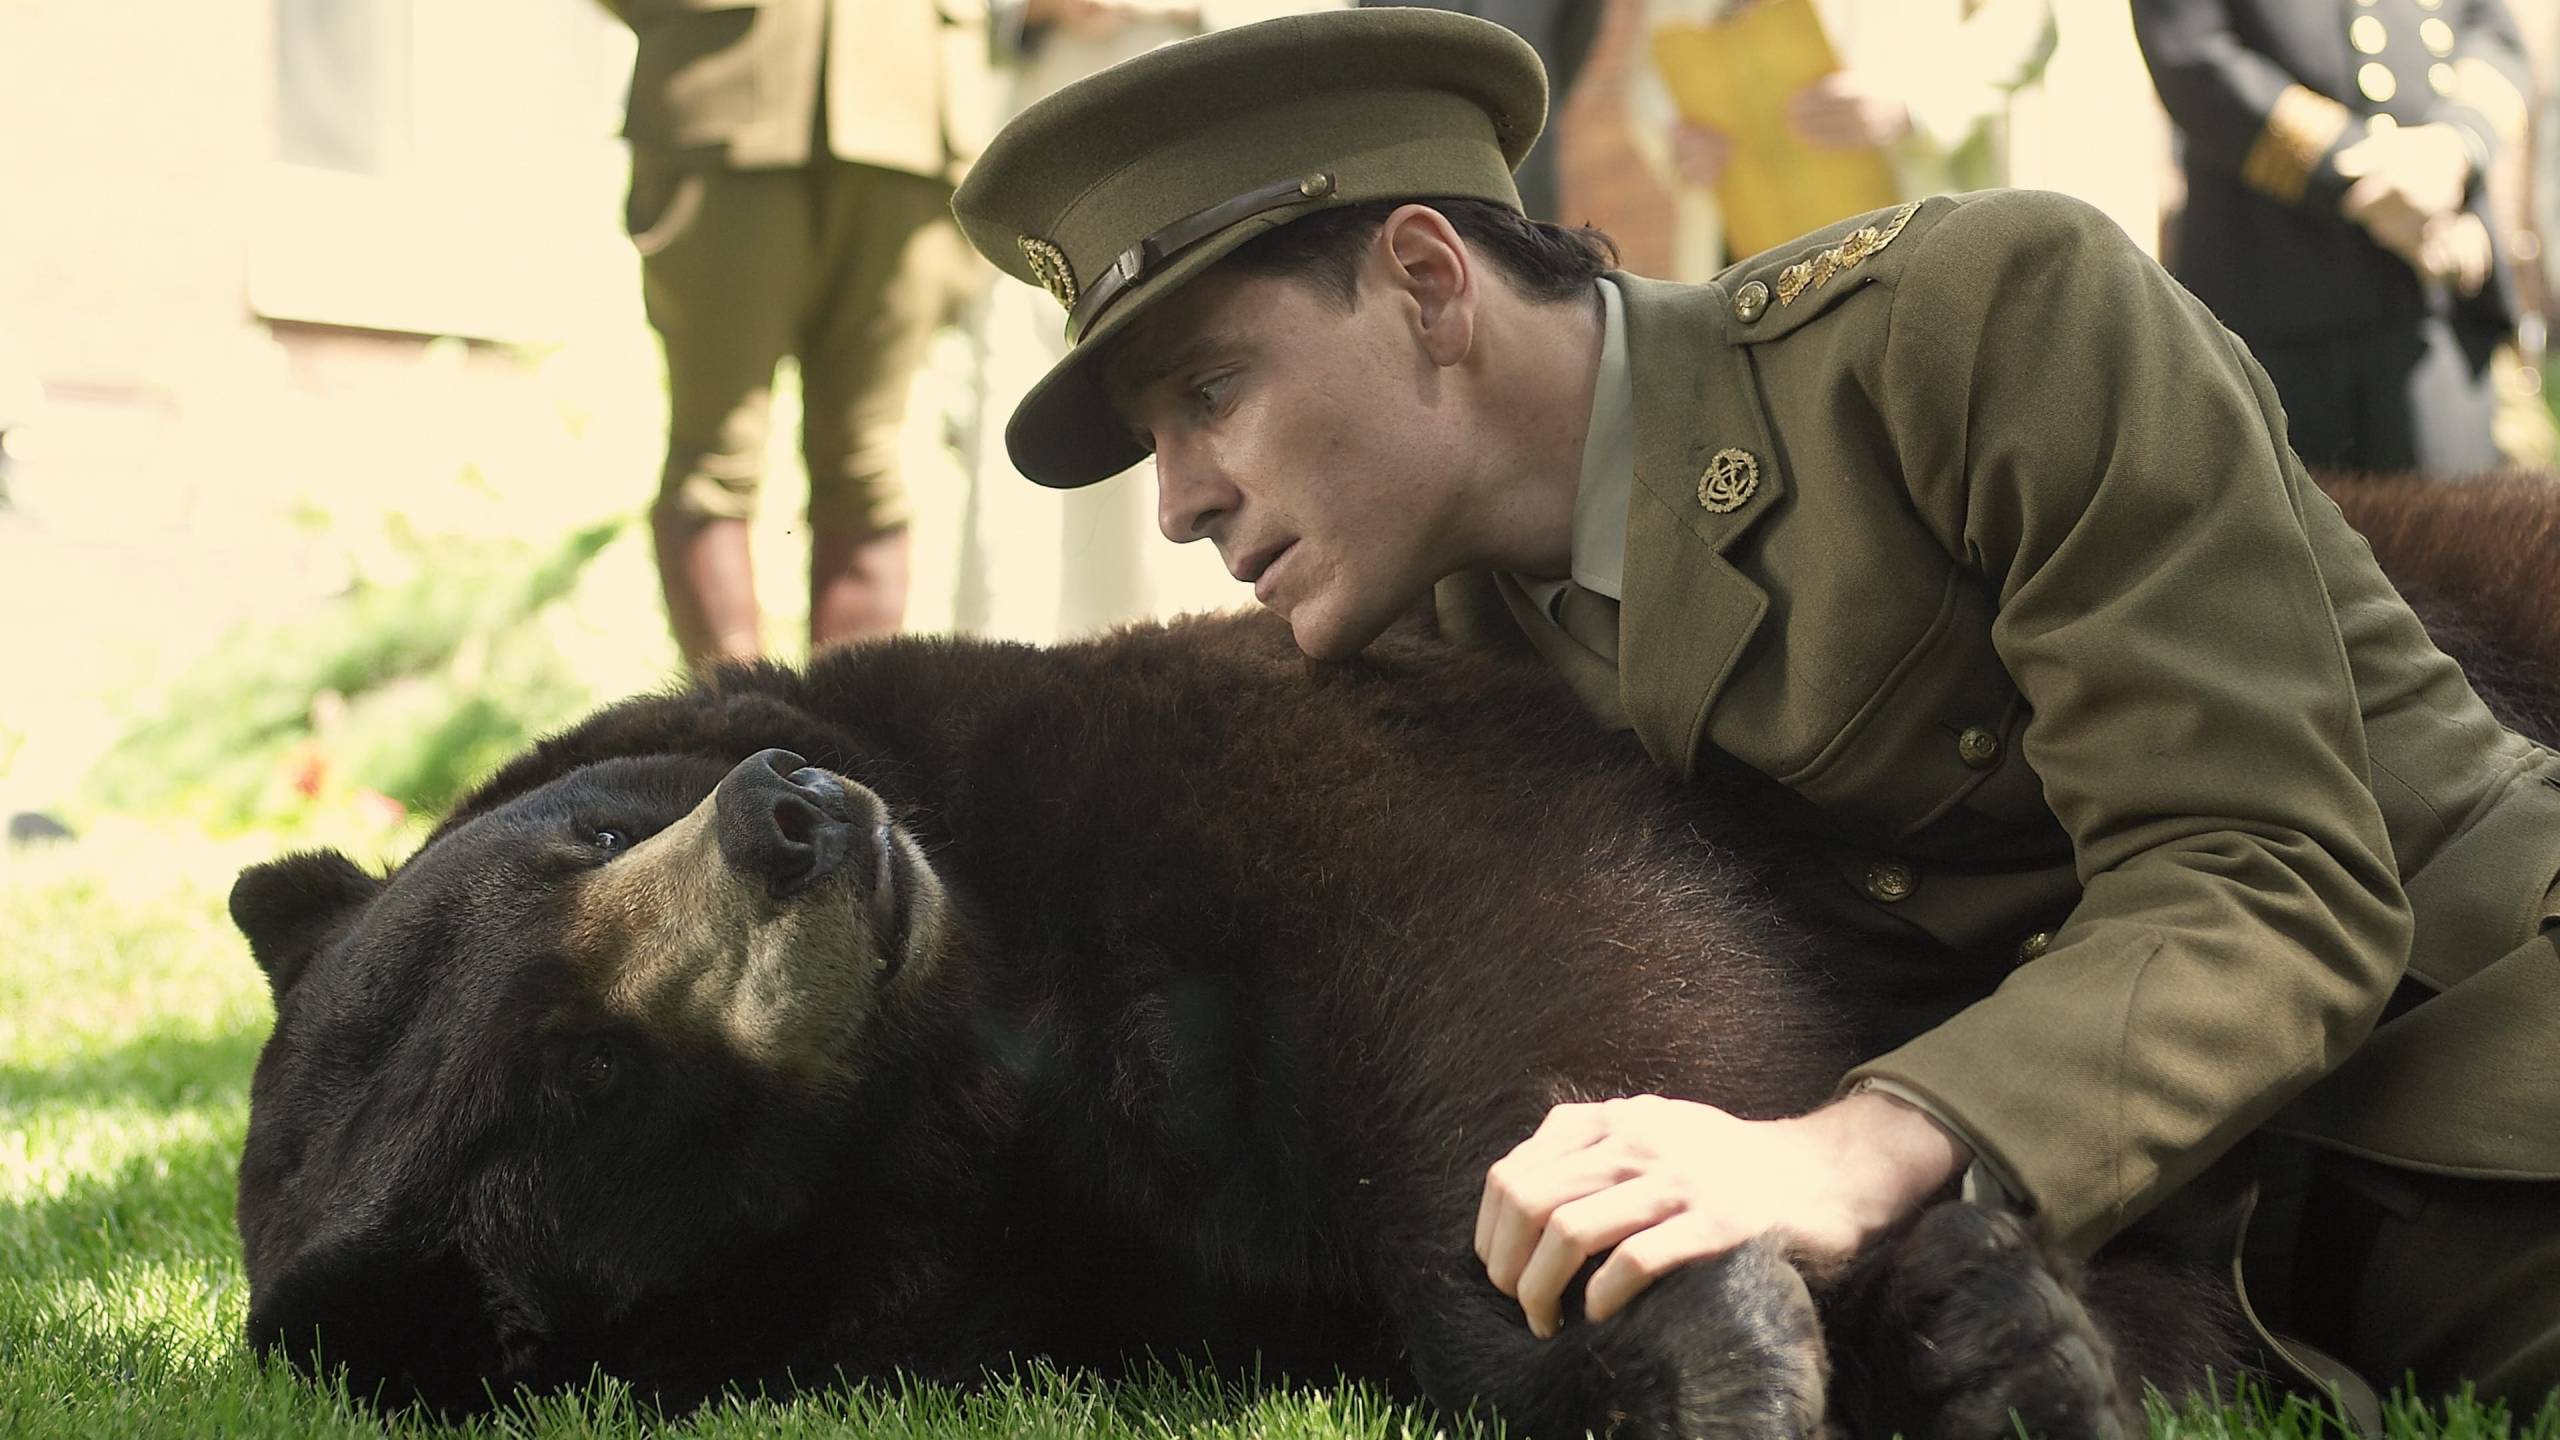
(787, 824)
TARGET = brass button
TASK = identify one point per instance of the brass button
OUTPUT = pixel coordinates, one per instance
(1890, 882)
(2368, 36)
(2430, 4)
(2034, 946)
(2441, 76)
(2377, 124)
(2437, 35)
(1750, 302)
(2376, 81)
(1978, 747)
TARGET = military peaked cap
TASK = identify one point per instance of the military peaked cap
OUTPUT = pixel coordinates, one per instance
(1115, 190)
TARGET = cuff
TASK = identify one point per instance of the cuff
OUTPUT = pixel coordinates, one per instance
(2291, 147)
(1984, 1182)
(2479, 137)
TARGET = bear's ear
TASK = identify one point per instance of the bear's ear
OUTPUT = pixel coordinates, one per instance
(288, 908)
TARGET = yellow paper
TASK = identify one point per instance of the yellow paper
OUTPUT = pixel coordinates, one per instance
(1735, 74)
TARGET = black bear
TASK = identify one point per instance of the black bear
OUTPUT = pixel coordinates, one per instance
(957, 1001)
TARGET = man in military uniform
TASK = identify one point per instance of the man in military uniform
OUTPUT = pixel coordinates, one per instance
(2337, 159)
(791, 172)
(1975, 535)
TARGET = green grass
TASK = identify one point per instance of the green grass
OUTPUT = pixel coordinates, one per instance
(129, 1018)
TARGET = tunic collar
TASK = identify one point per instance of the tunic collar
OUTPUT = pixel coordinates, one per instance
(1608, 469)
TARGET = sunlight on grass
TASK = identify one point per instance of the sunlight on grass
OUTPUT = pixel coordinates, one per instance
(46, 1152)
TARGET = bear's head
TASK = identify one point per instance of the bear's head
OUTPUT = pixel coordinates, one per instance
(587, 1081)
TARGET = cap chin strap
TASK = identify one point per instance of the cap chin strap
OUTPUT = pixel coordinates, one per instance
(1139, 260)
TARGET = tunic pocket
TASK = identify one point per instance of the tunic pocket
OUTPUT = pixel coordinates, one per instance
(663, 201)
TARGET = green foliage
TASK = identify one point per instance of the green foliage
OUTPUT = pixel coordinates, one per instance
(412, 688)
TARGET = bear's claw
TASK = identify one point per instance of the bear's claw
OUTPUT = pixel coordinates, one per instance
(1996, 1340)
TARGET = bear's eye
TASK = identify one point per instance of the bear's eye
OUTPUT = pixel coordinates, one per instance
(596, 1068)
(609, 841)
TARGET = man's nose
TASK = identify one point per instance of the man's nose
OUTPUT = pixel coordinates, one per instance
(1190, 495)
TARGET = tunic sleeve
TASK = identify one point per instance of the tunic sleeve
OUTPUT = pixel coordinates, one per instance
(2077, 430)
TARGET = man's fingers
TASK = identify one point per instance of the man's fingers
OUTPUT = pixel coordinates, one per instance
(1526, 1199)
(1579, 1230)
(1565, 1129)
(1823, 121)
(1649, 1255)
(1699, 154)
(2362, 196)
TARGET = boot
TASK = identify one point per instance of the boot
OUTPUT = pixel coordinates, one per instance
(709, 580)
(857, 587)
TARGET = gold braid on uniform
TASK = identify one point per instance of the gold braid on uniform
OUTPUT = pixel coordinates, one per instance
(1849, 254)
(2299, 130)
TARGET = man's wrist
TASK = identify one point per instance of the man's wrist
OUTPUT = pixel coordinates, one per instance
(1895, 1155)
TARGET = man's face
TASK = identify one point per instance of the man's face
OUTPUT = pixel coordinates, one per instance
(1318, 448)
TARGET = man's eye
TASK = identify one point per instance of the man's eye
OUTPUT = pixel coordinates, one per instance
(1208, 393)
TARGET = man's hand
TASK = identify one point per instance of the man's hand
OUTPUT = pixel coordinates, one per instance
(1666, 1182)
(2456, 249)
(1847, 109)
(2404, 179)
(1699, 154)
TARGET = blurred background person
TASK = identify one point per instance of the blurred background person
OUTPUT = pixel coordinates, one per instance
(2338, 216)
(791, 173)
(1823, 108)
(2522, 198)
(1562, 32)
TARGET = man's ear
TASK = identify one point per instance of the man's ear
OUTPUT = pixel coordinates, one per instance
(1429, 264)
(288, 908)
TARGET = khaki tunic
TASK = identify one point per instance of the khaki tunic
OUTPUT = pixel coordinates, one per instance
(909, 87)
(2026, 594)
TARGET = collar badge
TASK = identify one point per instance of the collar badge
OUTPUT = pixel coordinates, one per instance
(1730, 478)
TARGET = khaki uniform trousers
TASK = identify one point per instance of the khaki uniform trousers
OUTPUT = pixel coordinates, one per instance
(849, 268)
(2432, 1281)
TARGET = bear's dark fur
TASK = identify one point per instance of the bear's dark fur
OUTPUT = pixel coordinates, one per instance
(1184, 1005)
(2477, 557)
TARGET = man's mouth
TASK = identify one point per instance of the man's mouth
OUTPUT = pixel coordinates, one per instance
(1256, 567)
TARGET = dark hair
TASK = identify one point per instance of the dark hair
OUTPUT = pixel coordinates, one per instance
(1543, 261)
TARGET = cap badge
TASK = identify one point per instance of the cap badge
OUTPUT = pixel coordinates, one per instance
(1049, 265)
(1842, 258)
(1731, 477)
